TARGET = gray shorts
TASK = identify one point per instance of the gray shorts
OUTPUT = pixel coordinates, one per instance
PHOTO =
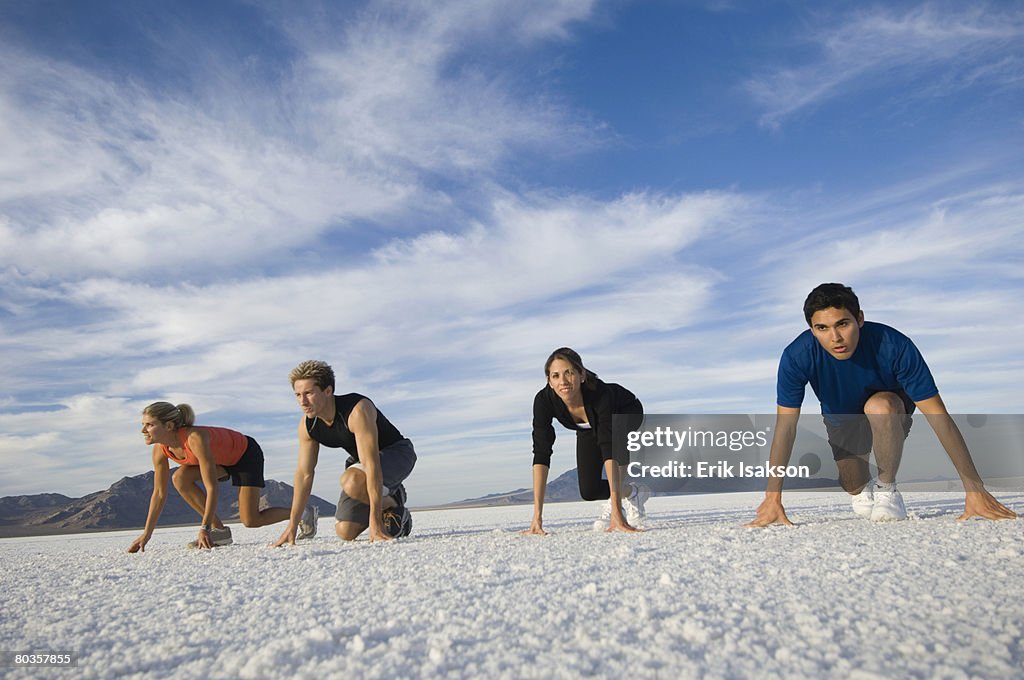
(852, 436)
(396, 462)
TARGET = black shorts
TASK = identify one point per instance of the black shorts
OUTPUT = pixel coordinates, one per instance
(852, 437)
(248, 471)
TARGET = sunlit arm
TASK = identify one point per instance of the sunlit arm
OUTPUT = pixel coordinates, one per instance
(771, 511)
(540, 486)
(363, 424)
(978, 502)
(161, 475)
(309, 453)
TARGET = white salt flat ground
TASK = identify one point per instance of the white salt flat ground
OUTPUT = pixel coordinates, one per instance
(696, 595)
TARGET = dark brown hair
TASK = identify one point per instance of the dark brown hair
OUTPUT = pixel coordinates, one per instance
(573, 358)
(828, 295)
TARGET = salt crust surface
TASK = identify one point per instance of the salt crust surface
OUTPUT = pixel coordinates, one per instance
(696, 595)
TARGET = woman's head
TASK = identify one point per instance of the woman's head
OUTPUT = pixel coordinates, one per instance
(566, 374)
(181, 415)
(568, 355)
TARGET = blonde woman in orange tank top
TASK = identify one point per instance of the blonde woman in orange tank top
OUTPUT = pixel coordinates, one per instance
(209, 454)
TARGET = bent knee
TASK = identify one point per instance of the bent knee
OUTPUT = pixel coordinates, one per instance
(180, 478)
(353, 483)
(853, 486)
(884, 404)
(347, 531)
(250, 521)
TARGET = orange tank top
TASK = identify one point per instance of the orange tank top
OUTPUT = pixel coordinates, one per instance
(226, 446)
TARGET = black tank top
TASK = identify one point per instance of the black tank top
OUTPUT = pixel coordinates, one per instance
(337, 435)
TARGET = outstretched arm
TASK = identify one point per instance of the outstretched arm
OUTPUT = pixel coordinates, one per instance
(362, 421)
(771, 511)
(543, 441)
(156, 502)
(198, 441)
(309, 452)
(979, 502)
(540, 486)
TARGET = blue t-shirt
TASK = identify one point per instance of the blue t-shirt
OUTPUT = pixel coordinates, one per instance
(885, 361)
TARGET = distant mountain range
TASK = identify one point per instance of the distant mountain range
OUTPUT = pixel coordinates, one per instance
(123, 506)
(562, 489)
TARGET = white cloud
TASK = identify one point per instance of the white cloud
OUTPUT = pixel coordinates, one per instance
(104, 176)
(129, 183)
(496, 299)
(193, 245)
(883, 45)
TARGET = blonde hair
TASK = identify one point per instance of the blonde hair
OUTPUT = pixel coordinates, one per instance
(181, 415)
(318, 371)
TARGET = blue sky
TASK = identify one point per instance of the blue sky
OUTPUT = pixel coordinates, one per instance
(194, 197)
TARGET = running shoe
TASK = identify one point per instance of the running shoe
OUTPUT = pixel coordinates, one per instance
(863, 502)
(888, 506)
(634, 504)
(218, 537)
(397, 521)
(308, 522)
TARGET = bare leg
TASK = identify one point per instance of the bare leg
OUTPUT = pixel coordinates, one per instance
(249, 509)
(348, 531)
(885, 412)
(186, 480)
(353, 483)
(853, 473)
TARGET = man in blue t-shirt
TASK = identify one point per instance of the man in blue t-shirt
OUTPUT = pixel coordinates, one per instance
(869, 378)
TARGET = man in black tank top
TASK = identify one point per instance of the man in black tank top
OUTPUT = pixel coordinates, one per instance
(380, 458)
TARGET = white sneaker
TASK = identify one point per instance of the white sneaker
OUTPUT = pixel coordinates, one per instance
(602, 522)
(307, 524)
(634, 504)
(864, 501)
(888, 506)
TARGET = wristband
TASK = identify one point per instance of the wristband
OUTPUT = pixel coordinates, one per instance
(204, 527)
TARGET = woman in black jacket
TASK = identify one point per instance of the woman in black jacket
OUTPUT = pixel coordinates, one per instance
(581, 401)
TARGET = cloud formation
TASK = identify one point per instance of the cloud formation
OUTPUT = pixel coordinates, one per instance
(926, 50)
(360, 185)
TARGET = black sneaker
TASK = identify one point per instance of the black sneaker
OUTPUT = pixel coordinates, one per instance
(397, 521)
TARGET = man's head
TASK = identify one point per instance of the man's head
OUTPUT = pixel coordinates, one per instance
(833, 312)
(831, 295)
(319, 372)
(313, 384)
